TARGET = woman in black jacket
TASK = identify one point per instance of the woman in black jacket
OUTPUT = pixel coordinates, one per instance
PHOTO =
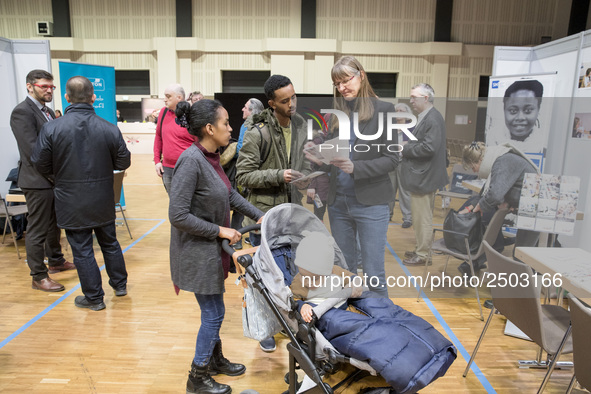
(360, 186)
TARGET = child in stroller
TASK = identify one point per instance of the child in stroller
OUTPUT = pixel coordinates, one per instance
(406, 350)
(403, 348)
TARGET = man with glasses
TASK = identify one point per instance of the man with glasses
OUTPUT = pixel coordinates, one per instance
(43, 235)
(424, 169)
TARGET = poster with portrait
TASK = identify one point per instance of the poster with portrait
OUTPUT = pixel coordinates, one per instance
(582, 126)
(520, 111)
(585, 75)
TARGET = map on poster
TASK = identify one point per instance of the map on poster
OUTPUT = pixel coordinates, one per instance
(548, 203)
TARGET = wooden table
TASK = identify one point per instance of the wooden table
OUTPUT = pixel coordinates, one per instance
(15, 198)
(573, 265)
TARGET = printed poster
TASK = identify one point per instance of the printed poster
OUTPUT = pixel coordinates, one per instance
(520, 111)
(548, 203)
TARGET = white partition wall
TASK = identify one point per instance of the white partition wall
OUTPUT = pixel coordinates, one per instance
(565, 155)
(17, 58)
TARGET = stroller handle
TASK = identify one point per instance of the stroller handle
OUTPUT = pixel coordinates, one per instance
(226, 243)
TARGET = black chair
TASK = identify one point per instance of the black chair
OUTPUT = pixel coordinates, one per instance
(490, 235)
(117, 186)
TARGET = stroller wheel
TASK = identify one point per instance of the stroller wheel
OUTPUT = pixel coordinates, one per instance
(297, 384)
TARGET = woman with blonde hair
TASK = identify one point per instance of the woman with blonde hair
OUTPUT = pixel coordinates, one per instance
(360, 187)
(503, 167)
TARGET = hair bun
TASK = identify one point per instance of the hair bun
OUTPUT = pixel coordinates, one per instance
(183, 114)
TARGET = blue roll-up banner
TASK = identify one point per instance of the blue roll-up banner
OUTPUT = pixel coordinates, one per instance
(103, 79)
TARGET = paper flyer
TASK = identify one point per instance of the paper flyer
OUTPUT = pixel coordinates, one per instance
(548, 203)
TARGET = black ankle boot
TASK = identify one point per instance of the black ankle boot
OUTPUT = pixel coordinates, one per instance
(220, 364)
(200, 381)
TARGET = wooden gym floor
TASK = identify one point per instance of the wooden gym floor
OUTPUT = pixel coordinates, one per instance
(144, 342)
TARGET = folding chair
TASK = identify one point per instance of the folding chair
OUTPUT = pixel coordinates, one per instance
(117, 186)
(581, 321)
(490, 235)
(546, 325)
(9, 212)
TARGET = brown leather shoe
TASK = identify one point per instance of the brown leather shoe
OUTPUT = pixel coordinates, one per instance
(416, 260)
(65, 266)
(47, 284)
(409, 255)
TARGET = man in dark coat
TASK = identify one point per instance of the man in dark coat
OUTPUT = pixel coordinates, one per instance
(81, 150)
(43, 235)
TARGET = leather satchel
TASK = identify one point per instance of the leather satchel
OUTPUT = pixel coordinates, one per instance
(467, 223)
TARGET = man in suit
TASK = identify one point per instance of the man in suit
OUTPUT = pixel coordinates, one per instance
(43, 235)
(424, 169)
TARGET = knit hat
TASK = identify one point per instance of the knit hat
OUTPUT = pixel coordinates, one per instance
(315, 253)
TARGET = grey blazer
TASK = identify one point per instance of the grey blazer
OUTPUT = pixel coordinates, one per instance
(423, 168)
(26, 121)
(199, 203)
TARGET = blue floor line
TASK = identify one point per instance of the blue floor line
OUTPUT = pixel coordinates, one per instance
(400, 224)
(28, 324)
(474, 368)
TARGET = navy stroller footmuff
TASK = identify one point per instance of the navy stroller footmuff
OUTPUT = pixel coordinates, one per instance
(408, 352)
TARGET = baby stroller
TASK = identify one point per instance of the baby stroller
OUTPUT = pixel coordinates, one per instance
(308, 349)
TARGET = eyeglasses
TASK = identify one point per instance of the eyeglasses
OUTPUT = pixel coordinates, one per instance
(45, 87)
(414, 98)
(345, 83)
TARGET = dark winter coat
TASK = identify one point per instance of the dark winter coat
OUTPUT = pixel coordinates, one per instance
(80, 150)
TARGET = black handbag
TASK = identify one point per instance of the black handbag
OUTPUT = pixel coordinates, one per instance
(467, 223)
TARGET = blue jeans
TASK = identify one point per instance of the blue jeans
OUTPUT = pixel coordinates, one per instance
(88, 270)
(212, 315)
(349, 220)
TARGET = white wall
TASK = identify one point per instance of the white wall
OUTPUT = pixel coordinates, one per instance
(17, 58)
(390, 36)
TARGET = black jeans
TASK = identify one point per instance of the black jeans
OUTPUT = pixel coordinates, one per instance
(88, 270)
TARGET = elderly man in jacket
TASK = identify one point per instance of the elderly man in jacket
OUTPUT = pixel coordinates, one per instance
(80, 150)
(424, 169)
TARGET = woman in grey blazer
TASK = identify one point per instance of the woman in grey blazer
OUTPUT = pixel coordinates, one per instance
(200, 200)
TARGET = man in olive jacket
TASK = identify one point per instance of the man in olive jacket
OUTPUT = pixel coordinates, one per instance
(272, 152)
(81, 150)
(272, 156)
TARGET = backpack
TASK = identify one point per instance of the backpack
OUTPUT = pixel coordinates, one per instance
(265, 147)
(162, 118)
